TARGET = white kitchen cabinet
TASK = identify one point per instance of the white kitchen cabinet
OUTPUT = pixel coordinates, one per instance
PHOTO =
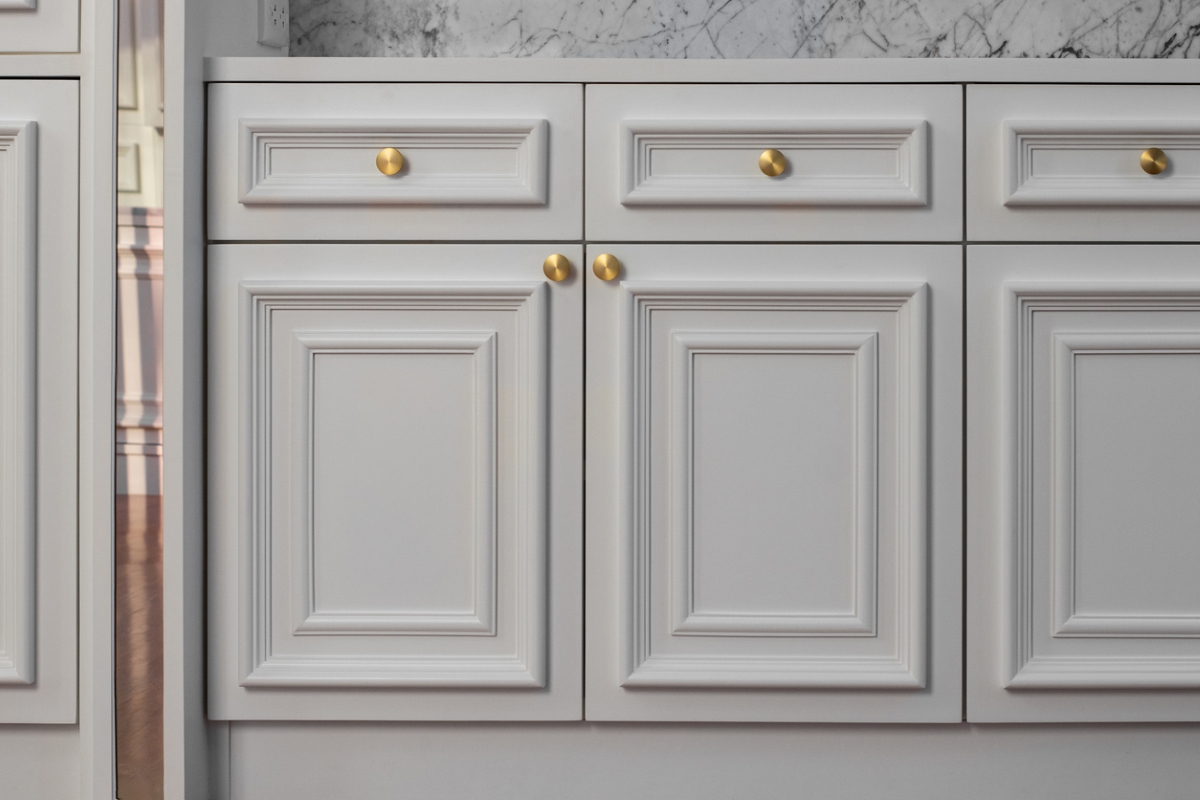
(859, 163)
(1064, 163)
(773, 483)
(395, 482)
(774, 523)
(39, 152)
(1084, 457)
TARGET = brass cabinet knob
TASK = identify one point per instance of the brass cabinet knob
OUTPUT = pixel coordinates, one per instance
(389, 161)
(606, 266)
(772, 163)
(1154, 161)
(557, 267)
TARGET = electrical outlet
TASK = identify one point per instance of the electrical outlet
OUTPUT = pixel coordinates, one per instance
(273, 22)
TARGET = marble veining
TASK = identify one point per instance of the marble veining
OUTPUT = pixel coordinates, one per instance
(747, 28)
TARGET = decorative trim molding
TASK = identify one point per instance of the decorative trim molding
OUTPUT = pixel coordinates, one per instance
(1028, 669)
(863, 349)
(907, 667)
(261, 140)
(1068, 622)
(1023, 186)
(481, 348)
(523, 668)
(18, 401)
(907, 184)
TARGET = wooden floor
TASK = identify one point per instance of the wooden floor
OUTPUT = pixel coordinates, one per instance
(139, 647)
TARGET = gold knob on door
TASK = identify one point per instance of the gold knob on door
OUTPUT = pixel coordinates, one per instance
(389, 161)
(557, 267)
(1154, 161)
(606, 266)
(772, 163)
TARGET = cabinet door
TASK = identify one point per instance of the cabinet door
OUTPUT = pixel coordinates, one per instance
(395, 483)
(774, 484)
(1084, 459)
(39, 198)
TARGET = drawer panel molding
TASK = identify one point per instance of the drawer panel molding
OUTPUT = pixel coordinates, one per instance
(446, 161)
(1071, 163)
(686, 163)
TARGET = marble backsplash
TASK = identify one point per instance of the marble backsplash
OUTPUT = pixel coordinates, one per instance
(747, 28)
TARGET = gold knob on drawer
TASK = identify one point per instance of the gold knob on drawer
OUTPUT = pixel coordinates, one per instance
(772, 163)
(1154, 161)
(389, 161)
(557, 267)
(606, 266)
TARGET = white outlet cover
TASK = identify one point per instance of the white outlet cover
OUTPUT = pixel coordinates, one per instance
(273, 22)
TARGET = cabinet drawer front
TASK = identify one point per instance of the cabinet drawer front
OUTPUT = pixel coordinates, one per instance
(40, 26)
(774, 163)
(445, 162)
(299, 162)
(715, 163)
(1077, 163)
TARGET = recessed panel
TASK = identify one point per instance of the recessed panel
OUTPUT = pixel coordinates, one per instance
(1137, 469)
(773, 454)
(395, 462)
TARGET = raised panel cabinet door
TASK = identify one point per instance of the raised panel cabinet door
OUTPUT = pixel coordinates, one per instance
(394, 483)
(39, 199)
(774, 483)
(1084, 458)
